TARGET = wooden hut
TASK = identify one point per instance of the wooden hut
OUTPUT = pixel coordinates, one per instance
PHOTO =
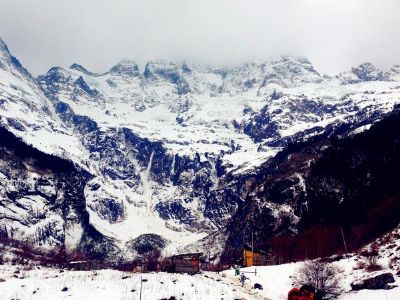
(84, 265)
(253, 258)
(182, 263)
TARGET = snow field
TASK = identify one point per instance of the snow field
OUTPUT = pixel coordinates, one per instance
(47, 284)
(277, 281)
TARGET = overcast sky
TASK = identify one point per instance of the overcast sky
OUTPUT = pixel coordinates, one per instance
(333, 34)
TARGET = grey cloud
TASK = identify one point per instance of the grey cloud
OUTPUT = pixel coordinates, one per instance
(333, 34)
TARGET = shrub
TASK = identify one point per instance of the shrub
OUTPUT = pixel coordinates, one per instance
(323, 276)
(361, 264)
(394, 262)
(371, 256)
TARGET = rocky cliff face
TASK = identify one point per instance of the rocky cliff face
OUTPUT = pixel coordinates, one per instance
(339, 180)
(174, 151)
(43, 202)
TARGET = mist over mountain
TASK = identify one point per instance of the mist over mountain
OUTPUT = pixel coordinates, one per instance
(334, 35)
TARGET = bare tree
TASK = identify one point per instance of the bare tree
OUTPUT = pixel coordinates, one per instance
(324, 276)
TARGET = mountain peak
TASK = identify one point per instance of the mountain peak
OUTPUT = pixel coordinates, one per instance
(126, 67)
(7, 58)
(3, 45)
(78, 67)
(369, 72)
(362, 73)
(54, 74)
(4, 52)
(395, 69)
(160, 68)
(82, 69)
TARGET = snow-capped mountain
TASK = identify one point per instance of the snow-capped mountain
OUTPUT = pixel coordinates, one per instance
(26, 111)
(343, 182)
(171, 150)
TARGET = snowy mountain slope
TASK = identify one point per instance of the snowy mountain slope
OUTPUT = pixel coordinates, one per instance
(43, 203)
(388, 248)
(171, 148)
(26, 112)
(178, 104)
(337, 182)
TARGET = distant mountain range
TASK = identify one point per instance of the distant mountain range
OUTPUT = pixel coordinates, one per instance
(183, 156)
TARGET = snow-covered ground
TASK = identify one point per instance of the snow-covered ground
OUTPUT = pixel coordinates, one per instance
(277, 281)
(45, 283)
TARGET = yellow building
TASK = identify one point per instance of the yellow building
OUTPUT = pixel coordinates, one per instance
(256, 258)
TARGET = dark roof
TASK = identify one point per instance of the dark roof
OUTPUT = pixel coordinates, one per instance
(82, 262)
(248, 248)
(187, 255)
